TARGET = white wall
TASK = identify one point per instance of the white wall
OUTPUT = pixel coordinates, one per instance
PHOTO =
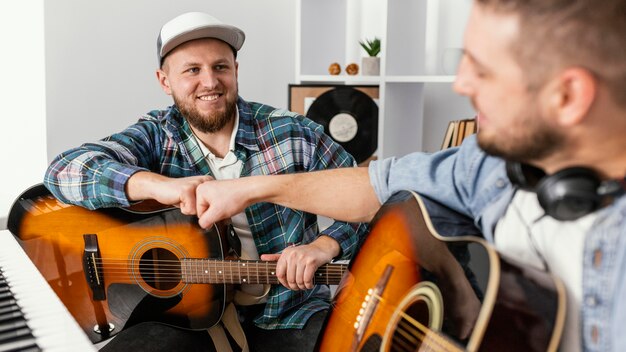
(22, 98)
(101, 59)
(75, 71)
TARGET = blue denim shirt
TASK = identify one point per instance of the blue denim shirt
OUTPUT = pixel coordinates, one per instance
(476, 188)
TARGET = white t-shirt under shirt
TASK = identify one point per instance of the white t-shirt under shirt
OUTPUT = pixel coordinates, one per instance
(228, 168)
(531, 237)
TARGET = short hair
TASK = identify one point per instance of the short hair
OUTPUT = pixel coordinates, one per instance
(590, 34)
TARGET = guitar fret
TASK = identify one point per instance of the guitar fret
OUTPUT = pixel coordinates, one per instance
(232, 280)
(189, 272)
(257, 273)
(244, 280)
(205, 272)
(219, 267)
(212, 271)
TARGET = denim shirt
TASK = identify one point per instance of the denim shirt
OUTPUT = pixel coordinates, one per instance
(477, 190)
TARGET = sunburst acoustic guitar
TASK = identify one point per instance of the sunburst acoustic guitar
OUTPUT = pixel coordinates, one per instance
(116, 267)
(406, 291)
(403, 291)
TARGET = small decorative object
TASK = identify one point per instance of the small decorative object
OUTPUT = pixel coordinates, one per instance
(371, 63)
(334, 69)
(352, 69)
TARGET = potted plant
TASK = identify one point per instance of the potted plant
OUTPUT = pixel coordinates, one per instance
(370, 65)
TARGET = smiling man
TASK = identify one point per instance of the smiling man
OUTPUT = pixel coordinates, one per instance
(211, 132)
(544, 179)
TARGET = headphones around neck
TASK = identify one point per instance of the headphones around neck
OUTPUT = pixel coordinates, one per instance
(568, 194)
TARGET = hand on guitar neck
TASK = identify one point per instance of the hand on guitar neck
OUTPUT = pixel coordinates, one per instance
(296, 265)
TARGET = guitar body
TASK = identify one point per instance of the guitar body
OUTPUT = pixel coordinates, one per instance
(406, 291)
(134, 289)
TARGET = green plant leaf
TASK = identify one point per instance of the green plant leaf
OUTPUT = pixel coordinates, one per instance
(371, 47)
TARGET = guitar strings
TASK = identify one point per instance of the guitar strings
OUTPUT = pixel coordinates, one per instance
(415, 334)
(203, 270)
(410, 332)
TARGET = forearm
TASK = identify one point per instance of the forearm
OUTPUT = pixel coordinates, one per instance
(342, 194)
(143, 185)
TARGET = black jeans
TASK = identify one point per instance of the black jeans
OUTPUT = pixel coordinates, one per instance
(155, 337)
(283, 340)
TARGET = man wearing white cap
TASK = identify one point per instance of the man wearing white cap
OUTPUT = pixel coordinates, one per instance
(211, 132)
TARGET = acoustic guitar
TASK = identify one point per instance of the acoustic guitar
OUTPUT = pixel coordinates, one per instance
(116, 267)
(406, 291)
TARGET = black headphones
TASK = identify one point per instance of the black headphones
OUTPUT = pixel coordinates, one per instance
(568, 194)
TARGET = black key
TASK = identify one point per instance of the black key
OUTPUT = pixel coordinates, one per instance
(27, 342)
(7, 302)
(9, 308)
(14, 334)
(16, 324)
(10, 316)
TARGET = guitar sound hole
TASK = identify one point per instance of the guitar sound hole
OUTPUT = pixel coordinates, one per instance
(408, 335)
(160, 269)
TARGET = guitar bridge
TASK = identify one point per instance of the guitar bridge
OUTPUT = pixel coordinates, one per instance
(93, 271)
(370, 303)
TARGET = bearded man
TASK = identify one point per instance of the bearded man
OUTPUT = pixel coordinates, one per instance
(210, 132)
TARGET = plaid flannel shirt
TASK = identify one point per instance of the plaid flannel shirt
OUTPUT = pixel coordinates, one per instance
(268, 141)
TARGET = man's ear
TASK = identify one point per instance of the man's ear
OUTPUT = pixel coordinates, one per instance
(574, 92)
(163, 81)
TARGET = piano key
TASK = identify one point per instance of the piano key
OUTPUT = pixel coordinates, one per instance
(28, 343)
(15, 334)
(52, 326)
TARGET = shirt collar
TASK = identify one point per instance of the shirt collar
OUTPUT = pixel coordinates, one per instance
(246, 135)
(233, 136)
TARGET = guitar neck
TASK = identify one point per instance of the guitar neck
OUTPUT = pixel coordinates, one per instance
(210, 271)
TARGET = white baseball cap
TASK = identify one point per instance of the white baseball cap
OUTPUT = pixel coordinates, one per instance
(196, 25)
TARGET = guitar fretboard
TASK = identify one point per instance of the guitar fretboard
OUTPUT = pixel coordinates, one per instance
(197, 271)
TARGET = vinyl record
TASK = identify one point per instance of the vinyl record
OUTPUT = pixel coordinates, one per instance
(350, 117)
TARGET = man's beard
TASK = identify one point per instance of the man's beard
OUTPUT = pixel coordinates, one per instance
(207, 123)
(532, 140)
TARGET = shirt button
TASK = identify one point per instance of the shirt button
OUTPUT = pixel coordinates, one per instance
(597, 258)
(500, 183)
(591, 301)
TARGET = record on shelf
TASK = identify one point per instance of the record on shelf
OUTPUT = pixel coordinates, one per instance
(350, 117)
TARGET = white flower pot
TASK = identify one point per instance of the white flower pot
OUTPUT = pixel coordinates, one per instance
(370, 66)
